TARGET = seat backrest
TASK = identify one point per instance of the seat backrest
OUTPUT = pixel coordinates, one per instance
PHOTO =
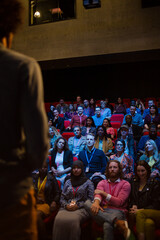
(117, 117)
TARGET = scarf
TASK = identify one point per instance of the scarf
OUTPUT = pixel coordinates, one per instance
(76, 181)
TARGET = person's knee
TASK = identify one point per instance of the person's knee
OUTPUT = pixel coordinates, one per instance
(87, 205)
(149, 223)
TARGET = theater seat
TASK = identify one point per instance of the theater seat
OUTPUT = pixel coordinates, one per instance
(116, 124)
(67, 135)
(117, 117)
(66, 123)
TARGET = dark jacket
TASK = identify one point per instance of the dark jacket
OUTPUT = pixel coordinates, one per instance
(59, 124)
(148, 198)
(51, 192)
(67, 160)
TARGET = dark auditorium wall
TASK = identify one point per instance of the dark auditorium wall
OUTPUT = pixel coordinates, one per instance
(129, 80)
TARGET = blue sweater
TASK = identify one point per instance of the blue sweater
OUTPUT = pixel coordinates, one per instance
(97, 164)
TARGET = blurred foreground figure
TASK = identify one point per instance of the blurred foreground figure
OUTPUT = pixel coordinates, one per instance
(23, 130)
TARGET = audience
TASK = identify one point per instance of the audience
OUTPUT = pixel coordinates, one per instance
(102, 142)
(105, 112)
(94, 160)
(79, 119)
(136, 117)
(110, 202)
(70, 113)
(62, 108)
(72, 213)
(93, 143)
(152, 135)
(58, 122)
(78, 142)
(140, 105)
(152, 157)
(87, 111)
(78, 103)
(119, 106)
(109, 129)
(144, 195)
(129, 141)
(133, 130)
(90, 127)
(125, 160)
(61, 160)
(47, 194)
(98, 118)
(146, 110)
(50, 113)
(152, 117)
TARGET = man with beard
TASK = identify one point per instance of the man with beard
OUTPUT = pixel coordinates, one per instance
(110, 202)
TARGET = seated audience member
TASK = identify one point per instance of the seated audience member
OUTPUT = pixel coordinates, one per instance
(152, 157)
(98, 118)
(146, 110)
(47, 196)
(152, 117)
(70, 113)
(108, 105)
(110, 202)
(53, 136)
(61, 160)
(129, 141)
(144, 194)
(72, 213)
(133, 103)
(105, 112)
(119, 106)
(102, 142)
(87, 111)
(62, 108)
(90, 127)
(58, 122)
(94, 160)
(133, 130)
(78, 142)
(125, 160)
(50, 113)
(109, 129)
(136, 117)
(152, 135)
(78, 103)
(50, 124)
(140, 105)
(92, 104)
(79, 119)
(147, 220)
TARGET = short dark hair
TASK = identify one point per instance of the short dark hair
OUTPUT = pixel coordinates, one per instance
(119, 166)
(11, 12)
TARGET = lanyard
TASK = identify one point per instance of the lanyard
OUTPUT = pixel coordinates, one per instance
(74, 192)
(113, 190)
(89, 160)
(40, 185)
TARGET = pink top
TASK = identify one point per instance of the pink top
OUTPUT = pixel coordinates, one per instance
(78, 121)
(110, 130)
(118, 194)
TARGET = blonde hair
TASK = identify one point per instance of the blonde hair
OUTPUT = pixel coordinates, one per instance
(155, 149)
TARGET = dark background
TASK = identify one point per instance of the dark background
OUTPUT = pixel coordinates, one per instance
(128, 80)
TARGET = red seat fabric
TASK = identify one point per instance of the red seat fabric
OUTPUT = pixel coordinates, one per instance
(117, 117)
(67, 135)
(66, 123)
(116, 124)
